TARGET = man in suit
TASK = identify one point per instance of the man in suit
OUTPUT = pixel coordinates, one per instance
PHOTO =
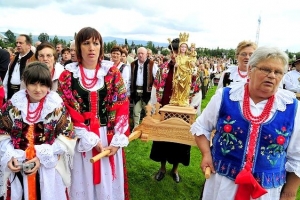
(12, 80)
(143, 71)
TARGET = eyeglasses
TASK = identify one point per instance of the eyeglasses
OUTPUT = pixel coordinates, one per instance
(45, 56)
(244, 54)
(268, 71)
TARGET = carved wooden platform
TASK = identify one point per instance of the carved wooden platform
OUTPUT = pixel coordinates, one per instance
(169, 123)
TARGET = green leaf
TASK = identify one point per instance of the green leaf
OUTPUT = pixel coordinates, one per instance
(272, 146)
(232, 137)
(232, 122)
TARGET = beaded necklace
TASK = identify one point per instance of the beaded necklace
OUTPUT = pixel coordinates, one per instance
(240, 74)
(84, 77)
(33, 116)
(255, 121)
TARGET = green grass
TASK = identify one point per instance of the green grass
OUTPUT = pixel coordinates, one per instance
(141, 170)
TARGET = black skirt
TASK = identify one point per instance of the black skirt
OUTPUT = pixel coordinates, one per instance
(170, 152)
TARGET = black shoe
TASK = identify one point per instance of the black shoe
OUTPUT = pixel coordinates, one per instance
(176, 177)
(160, 175)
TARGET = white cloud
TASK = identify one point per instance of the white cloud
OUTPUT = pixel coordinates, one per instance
(212, 24)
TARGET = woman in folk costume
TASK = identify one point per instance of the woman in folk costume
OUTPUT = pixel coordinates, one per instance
(255, 152)
(238, 73)
(164, 152)
(95, 95)
(36, 148)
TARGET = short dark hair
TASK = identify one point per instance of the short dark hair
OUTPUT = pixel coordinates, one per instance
(85, 34)
(44, 45)
(28, 39)
(65, 49)
(37, 72)
(124, 51)
(116, 48)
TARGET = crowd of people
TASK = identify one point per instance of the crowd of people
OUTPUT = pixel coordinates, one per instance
(60, 106)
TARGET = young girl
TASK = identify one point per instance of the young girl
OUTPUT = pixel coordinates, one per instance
(35, 144)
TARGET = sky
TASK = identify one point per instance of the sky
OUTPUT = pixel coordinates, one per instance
(210, 23)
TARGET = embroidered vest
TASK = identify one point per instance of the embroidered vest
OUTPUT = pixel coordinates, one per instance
(82, 96)
(23, 61)
(232, 137)
(147, 77)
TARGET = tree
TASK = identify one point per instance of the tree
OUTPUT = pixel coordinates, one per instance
(126, 43)
(30, 35)
(55, 40)
(149, 45)
(43, 37)
(10, 36)
(113, 43)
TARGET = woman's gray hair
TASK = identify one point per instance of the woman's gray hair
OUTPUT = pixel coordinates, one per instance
(266, 52)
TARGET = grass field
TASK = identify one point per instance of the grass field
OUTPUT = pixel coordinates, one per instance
(141, 170)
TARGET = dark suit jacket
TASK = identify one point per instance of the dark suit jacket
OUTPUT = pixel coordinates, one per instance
(4, 62)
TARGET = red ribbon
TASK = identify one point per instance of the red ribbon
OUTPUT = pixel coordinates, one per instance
(248, 186)
(78, 120)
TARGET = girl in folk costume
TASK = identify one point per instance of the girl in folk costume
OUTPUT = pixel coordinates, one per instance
(35, 146)
(94, 93)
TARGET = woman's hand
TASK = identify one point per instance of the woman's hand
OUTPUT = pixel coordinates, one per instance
(99, 147)
(37, 163)
(113, 150)
(207, 162)
(13, 165)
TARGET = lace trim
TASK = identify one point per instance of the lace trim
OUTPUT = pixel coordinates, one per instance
(52, 102)
(119, 140)
(105, 66)
(45, 153)
(87, 139)
(282, 97)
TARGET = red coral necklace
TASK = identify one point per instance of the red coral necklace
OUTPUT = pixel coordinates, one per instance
(33, 116)
(247, 112)
(240, 74)
(255, 123)
(84, 78)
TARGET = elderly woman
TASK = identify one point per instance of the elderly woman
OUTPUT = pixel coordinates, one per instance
(238, 73)
(46, 53)
(255, 151)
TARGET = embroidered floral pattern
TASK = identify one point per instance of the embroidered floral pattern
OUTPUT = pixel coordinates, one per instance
(275, 149)
(115, 98)
(46, 132)
(228, 140)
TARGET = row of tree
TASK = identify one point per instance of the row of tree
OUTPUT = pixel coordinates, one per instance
(201, 51)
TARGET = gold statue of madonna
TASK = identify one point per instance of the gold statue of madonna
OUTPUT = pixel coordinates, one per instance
(182, 77)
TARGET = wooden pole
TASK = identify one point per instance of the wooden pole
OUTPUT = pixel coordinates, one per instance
(207, 172)
(132, 136)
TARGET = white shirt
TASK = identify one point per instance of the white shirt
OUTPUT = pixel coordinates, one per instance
(140, 72)
(15, 77)
(292, 81)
